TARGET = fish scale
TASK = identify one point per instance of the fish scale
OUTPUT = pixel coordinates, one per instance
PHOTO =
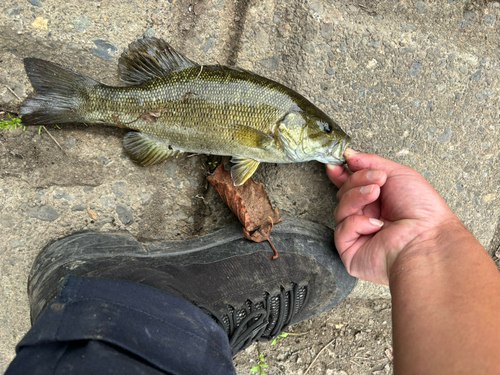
(174, 105)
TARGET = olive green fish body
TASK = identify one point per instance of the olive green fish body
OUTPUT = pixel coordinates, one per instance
(175, 105)
(193, 105)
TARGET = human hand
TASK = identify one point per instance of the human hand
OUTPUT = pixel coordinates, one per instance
(384, 207)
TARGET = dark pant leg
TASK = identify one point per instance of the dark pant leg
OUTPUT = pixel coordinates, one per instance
(102, 326)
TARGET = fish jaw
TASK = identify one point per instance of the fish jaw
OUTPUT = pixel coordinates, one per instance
(335, 152)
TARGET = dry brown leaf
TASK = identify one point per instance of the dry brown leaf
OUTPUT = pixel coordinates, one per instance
(250, 203)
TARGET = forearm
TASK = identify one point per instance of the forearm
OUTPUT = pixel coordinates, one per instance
(446, 307)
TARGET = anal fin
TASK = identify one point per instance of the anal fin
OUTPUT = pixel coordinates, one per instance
(242, 169)
(147, 150)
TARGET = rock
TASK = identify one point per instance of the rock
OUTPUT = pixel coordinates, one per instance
(208, 44)
(80, 23)
(145, 198)
(270, 63)
(61, 194)
(78, 207)
(103, 49)
(69, 142)
(104, 160)
(476, 76)
(149, 33)
(124, 214)
(45, 213)
(421, 7)
(36, 3)
(470, 16)
(445, 136)
(327, 30)
(414, 68)
(14, 11)
(16, 243)
(330, 71)
(119, 188)
(489, 19)
(316, 7)
(483, 94)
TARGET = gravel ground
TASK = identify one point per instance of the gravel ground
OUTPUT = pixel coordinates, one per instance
(414, 81)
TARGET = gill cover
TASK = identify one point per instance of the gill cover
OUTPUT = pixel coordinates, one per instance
(291, 134)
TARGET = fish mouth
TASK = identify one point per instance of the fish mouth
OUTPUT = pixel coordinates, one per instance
(337, 148)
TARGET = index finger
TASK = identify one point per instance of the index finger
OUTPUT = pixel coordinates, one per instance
(338, 174)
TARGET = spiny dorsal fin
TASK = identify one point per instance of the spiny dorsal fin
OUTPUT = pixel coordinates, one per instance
(149, 58)
(242, 169)
(147, 150)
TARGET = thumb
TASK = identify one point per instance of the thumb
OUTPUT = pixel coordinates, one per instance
(359, 160)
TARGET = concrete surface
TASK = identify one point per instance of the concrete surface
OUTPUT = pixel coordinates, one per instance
(414, 81)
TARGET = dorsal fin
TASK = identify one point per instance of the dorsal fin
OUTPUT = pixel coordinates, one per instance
(149, 58)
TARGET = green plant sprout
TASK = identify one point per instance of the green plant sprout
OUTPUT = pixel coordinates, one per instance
(261, 365)
(13, 123)
(282, 334)
(212, 164)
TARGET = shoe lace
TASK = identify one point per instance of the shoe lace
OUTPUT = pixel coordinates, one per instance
(261, 321)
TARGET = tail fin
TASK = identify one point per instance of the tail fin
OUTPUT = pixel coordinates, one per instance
(58, 94)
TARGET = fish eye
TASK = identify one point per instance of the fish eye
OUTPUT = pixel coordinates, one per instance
(325, 126)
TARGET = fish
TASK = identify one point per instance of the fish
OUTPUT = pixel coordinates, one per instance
(172, 105)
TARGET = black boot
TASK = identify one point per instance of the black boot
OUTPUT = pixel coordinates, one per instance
(252, 297)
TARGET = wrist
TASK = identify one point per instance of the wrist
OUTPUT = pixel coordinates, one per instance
(434, 246)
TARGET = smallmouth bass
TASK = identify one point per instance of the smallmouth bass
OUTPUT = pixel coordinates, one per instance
(173, 105)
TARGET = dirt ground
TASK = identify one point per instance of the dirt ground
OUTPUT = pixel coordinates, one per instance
(414, 81)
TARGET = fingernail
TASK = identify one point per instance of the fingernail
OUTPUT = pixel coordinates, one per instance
(373, 175)
(350, 151)
(376, 222)
(366, 189)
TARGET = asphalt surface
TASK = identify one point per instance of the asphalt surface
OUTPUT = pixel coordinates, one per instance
(413, 81)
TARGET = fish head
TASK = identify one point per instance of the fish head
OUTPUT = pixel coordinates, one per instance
(312, 135)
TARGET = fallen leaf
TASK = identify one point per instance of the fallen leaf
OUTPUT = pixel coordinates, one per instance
(250, 203)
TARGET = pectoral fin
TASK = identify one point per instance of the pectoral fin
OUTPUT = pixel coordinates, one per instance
(147, 150)
(242, 169)
(250, 137)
